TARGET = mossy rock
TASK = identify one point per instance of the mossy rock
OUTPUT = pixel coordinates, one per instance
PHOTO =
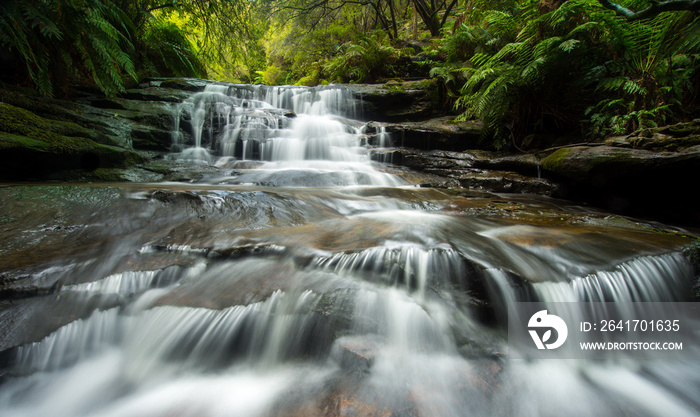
(184, 84)
(630, 181)
(582, 163)
(681, 130)
(661, 142)
(34, 147)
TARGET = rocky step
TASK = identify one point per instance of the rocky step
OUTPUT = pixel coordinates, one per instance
(477, 170)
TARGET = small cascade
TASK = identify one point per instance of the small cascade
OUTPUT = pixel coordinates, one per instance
(297, 129)
(413, 267)
(71, 343)
(383, 137)
(382, 142)
(648, 279)
(394, 323)
(663, 278)
(280, 328)
(129, 282)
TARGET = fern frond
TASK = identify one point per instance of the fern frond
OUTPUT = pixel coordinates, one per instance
(631, 87)
(570, 45)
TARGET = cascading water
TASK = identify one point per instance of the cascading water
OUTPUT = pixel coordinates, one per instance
(306, 282)
(297, 131)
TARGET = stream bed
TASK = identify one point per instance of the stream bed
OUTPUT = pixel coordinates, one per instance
(296, 277)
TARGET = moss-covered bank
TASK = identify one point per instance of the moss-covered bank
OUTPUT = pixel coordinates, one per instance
(34, 147)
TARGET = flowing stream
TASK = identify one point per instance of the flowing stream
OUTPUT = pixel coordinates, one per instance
(299, 278)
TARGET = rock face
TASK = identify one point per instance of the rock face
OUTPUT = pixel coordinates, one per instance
(33, 147)
(439, 133)
(90, 138)
(629, 180)
(398, 101)
(478, 170)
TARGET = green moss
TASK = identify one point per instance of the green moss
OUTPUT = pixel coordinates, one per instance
(682, 129)
(107, 175)
(668, 143)
(28, 99)
(395, 86)
(61, 117)
(35, 129)
(34, 147)
(9, 141)
(555, 161)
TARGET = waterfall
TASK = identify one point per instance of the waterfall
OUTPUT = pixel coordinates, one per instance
(303, 279)
(308, 131)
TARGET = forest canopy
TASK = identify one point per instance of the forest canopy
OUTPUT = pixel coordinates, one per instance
(543, 67)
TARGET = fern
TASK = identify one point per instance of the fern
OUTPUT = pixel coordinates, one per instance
(578, 62)
(65, 41)
(170, 52)
(367, 59)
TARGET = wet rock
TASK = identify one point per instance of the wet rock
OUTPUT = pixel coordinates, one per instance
(184, 84)
(673, 138)
(155, 93)
(33, 147)
(30, 320)
(436, 134)
(463, 168)
(397, 101)
(231, 284)
(525, 164)
(628, 180)
(507, 182)
(357, 356)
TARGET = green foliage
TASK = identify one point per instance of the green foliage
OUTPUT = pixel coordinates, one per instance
(294, 52)
(520, 87)
(170, 52)
(63, 41)
(273, 75)
(616, 117)
(365, 60)
(578, 66)
(651, 72)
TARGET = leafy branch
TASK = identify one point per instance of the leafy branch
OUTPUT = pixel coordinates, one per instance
(654, 9)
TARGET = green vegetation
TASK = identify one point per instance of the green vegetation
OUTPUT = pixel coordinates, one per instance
(576, 68)
(33, 146)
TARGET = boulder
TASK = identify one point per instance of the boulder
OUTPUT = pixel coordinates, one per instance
(673, 138)
(478, 170)
(439, 133)
(398, 101)
(628, 180)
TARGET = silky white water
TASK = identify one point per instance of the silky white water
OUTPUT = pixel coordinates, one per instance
(308, 282)
(306, 131)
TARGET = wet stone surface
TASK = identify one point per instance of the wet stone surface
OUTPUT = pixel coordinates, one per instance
(313, 281)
